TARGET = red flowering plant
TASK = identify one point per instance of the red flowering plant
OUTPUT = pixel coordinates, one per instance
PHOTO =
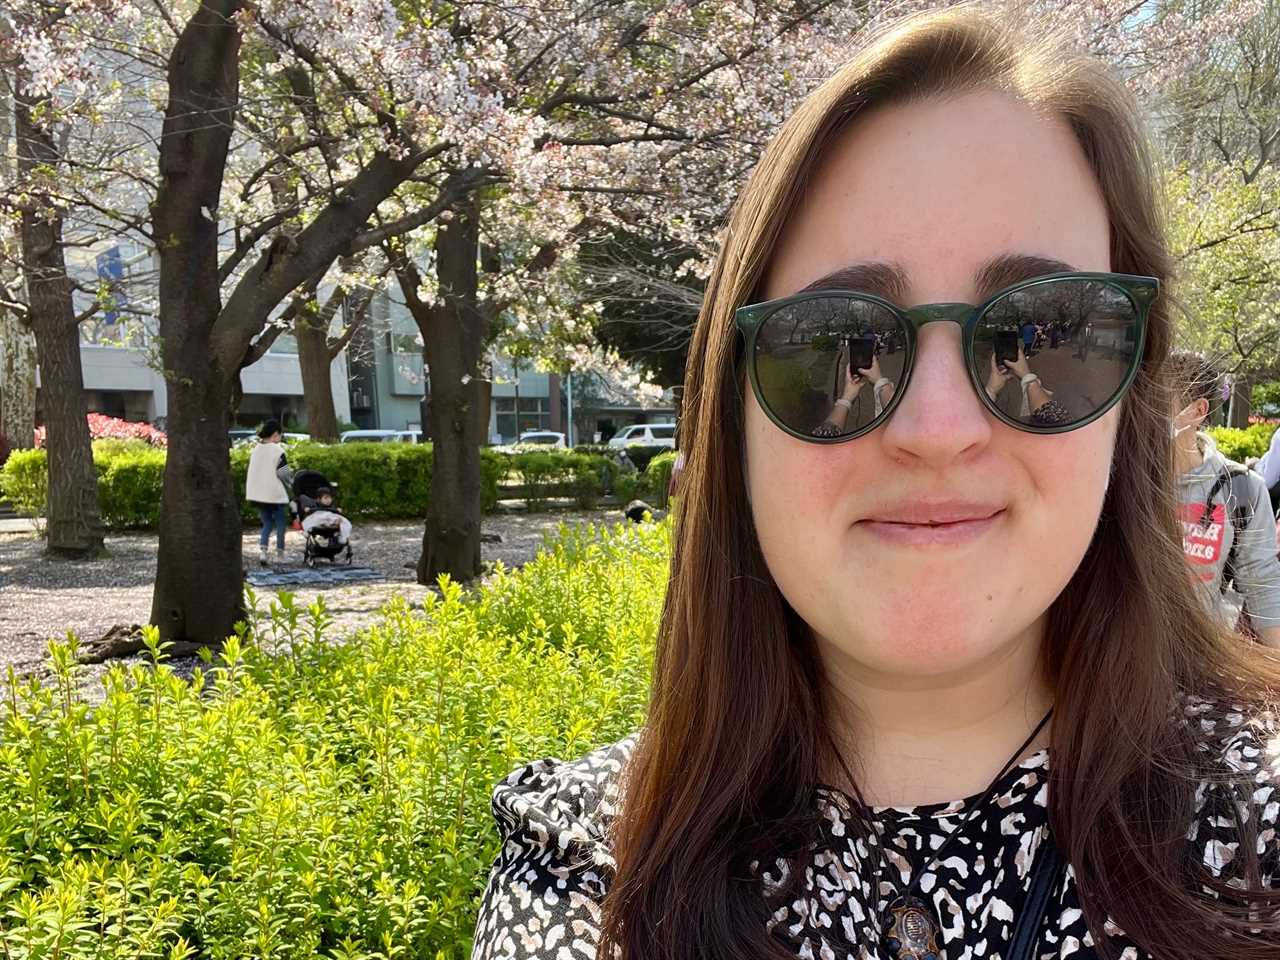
(104, 427)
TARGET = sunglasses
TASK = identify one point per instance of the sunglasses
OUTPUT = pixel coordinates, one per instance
(1047, 355)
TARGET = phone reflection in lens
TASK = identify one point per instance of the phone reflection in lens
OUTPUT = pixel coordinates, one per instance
(1054, 353)
(827, 367)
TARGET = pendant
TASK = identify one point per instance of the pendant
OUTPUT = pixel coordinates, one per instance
(913, 934)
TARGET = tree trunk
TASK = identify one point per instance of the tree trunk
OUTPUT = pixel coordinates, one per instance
(312, 336)
(199, 575)
(1241, 406)
(17, 381)
(74, 526)
(453, 336)
(199, 591)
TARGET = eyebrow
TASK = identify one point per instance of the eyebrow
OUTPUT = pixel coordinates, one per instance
(889, 280)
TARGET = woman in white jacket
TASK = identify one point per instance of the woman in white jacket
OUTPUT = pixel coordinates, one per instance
(265, 489)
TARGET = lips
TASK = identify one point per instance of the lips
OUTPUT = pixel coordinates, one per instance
(935, 513)
(933, 523)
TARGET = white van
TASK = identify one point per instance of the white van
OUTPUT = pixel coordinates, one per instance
(646, 434)
(381, 436)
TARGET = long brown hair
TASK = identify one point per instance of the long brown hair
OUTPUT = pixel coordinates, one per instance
(723, 776)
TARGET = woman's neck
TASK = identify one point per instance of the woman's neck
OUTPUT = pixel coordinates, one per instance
(916, 740)
(1188, 455)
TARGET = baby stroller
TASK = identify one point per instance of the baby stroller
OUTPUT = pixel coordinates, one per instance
(321, 541)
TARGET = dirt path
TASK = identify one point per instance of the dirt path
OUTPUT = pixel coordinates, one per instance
(42, 597)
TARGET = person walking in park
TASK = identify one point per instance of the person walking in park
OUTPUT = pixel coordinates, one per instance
(938, 686)
(265, 488)
(1228, 530)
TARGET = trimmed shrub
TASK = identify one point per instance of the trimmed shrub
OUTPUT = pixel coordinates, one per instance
(640, 454)
(658, 476)
(602, 449)
(375, 480)
(630, 486)
(1237, 444)
(300, 798)
(387, 481)
(24, 481)
(130, 479)
(544, 474)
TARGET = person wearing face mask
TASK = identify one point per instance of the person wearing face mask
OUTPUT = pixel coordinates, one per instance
(1228, 531)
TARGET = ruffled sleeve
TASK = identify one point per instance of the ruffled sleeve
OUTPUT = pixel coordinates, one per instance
(545, 890)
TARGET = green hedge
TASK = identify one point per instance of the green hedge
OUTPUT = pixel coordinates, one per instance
(130, 475)
(384, 480)
(1237, 444)
(375, 480)
(331, 801)
(544, 474)
(24, 481)
(658, 476)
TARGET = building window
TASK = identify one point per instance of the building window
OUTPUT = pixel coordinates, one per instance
(535, 414)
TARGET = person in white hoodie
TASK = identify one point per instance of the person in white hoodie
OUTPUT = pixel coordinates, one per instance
(1228, 532)
(265, 487)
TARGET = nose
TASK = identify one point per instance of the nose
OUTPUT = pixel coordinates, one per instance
(938, 420)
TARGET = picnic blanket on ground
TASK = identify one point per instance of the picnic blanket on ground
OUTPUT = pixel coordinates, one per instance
(312, 577)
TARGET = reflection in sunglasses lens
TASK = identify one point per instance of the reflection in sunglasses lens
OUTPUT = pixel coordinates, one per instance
(1079, 337)
(811, 354)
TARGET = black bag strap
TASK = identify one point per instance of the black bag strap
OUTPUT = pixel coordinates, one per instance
(1206, 513)
(1241, 517)
(1046, 877)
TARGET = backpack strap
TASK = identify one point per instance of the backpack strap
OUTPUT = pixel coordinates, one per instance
(1206, 514)
(1241, 515)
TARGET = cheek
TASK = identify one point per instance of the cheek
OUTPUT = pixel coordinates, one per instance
(1070, 472)
(798, 491)
(790, 479)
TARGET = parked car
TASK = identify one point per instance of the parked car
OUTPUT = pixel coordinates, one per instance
(646, 434)
(381, 436)
(543, 438)
(242, 435)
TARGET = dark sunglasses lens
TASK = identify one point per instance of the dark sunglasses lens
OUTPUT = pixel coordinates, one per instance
(813, 353)
(1080, 337)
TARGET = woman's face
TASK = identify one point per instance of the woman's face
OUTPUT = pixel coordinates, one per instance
(937, 541)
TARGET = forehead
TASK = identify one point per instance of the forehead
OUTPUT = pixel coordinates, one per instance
(938, 189)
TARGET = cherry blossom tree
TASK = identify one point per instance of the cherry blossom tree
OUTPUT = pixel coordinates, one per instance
(46, 101)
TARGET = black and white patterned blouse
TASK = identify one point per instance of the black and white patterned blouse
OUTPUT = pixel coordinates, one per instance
(544, 893)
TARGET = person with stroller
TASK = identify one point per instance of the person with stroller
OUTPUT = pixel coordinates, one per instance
(265, 487)
(321, 514)
(1228, 532)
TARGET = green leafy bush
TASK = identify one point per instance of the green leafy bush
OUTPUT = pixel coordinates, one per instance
(1237, 444)
(640, 454)
(130, 474)
(305, 799)
(24, 481)
(387, 481)
(130, 478)
(658, 476)
(543, 474)
(630, 486)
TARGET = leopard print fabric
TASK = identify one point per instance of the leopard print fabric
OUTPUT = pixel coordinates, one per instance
(544, 892)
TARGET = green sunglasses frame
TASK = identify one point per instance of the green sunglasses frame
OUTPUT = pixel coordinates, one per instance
(1141, 292)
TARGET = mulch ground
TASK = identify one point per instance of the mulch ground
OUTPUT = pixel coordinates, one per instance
(43, 597)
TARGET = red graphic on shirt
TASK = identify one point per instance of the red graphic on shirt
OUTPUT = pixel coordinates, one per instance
(1202, 541)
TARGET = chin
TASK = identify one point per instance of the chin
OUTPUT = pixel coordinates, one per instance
(924, 639)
